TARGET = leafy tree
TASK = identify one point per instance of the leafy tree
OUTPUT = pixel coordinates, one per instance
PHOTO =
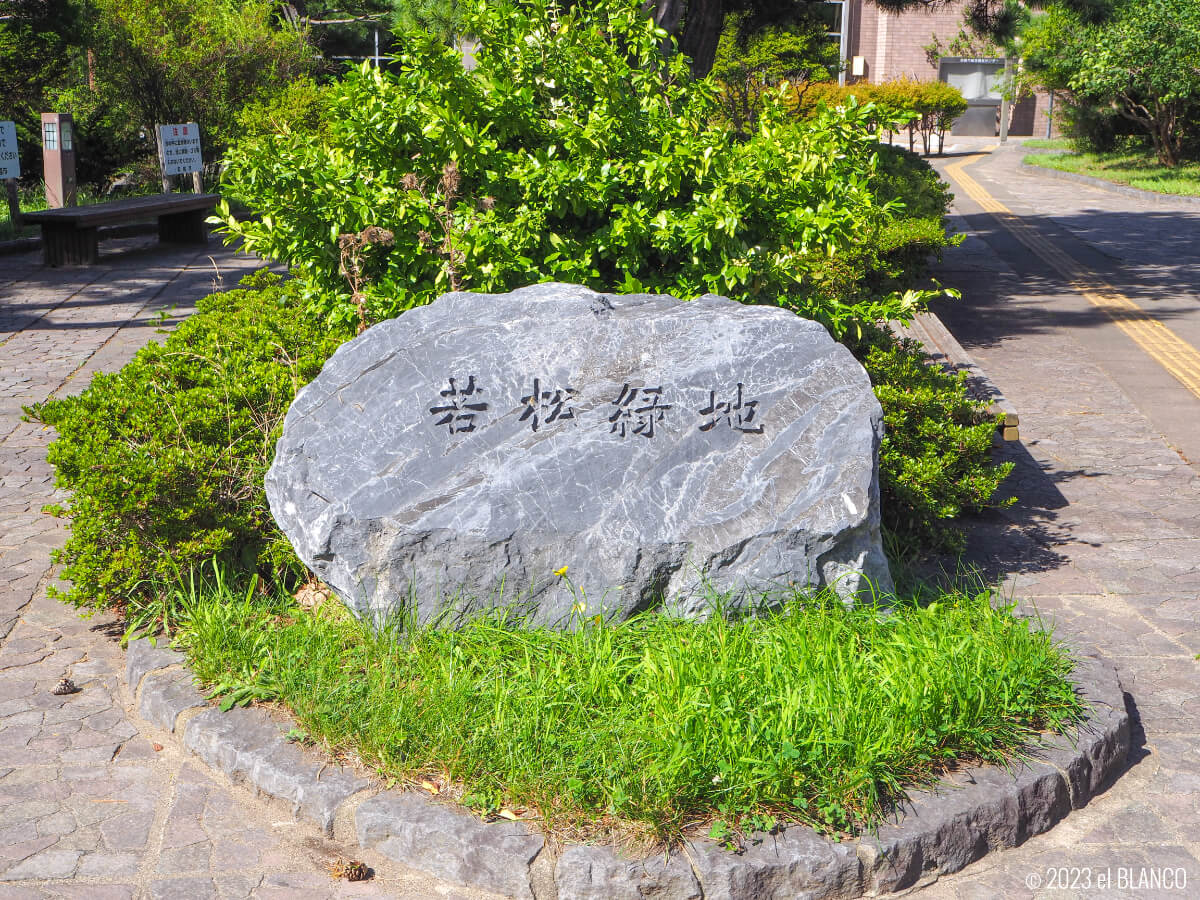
(749, 64)
(38, 44)
(966, 43)
(1141, 64)
(174, 60)
(108, 138)
(1147, 59)
(344, 31)
(1050, 43)
(441, 18)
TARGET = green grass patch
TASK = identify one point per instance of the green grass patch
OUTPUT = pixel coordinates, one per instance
(1047, 144)
(1139, 169)
(658, 726)
(30, 200)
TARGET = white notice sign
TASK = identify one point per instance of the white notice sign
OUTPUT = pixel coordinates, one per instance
(10, 164)
(179, 147)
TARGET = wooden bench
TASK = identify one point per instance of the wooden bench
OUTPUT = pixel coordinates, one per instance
(70, 235)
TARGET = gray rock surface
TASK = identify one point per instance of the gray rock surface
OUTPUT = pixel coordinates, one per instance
(166, 695)
(459, 456)
(246, 744)
(144, 657)
(598, 873)
(454, 845)
(796, 864)
(967, 816)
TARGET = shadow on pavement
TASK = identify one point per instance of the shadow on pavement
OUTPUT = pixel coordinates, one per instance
(1153, 258)
(160, 275)
(1019, 540)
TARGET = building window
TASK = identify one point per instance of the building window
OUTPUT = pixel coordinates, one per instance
(978, 79)
(834, 13)
(50, 135)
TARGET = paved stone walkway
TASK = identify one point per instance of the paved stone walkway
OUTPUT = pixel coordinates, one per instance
(1105, 537)
(94, 803)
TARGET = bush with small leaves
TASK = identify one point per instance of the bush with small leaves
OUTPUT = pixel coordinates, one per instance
(935, 462)
(165, 459)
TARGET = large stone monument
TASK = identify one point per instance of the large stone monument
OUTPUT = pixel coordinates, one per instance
(575, 453)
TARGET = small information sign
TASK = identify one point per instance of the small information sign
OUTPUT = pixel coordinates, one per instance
(179, 148)
(10, 163)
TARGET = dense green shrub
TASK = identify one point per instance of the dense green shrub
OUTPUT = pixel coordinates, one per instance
(576, 152)
(904, 177)
(299, 108)
(901, 249)
(165, 458)
(935, 462)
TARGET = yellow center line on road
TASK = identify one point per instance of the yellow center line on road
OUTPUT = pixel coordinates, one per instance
(1162, 345)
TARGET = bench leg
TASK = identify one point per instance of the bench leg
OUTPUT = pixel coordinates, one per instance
(68, 246)
(183, 228)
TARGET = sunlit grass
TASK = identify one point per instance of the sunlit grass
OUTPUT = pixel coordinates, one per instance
(30, 200)
(1047, 144)
(814, 712)
(1140, 170)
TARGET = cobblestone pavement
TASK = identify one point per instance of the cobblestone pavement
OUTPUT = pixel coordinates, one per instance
(94, 803)
(1105, 537)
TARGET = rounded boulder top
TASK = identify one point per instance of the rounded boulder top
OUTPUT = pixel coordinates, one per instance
(570, 453)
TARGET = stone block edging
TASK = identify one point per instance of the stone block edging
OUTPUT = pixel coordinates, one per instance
(934, 832)
(1117, 188)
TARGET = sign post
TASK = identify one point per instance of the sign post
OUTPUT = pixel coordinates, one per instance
(1005, 106)
(10, 170)
(58, 159)
(180, 154)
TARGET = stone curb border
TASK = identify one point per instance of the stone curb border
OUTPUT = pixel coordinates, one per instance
(1114, 187)
(936, 832)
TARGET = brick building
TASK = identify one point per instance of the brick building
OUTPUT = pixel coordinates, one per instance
(883, 46)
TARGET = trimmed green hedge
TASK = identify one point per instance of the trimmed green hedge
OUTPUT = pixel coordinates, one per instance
(165, 459)
(935, 462)
(924, 108)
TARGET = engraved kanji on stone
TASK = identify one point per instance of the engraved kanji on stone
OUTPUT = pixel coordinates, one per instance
(737, 413)
(637, 411)
(459, 406)
(546, 406)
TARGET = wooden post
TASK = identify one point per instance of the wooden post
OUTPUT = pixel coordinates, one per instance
(14, 204)
(198, 182)
(166, 179)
